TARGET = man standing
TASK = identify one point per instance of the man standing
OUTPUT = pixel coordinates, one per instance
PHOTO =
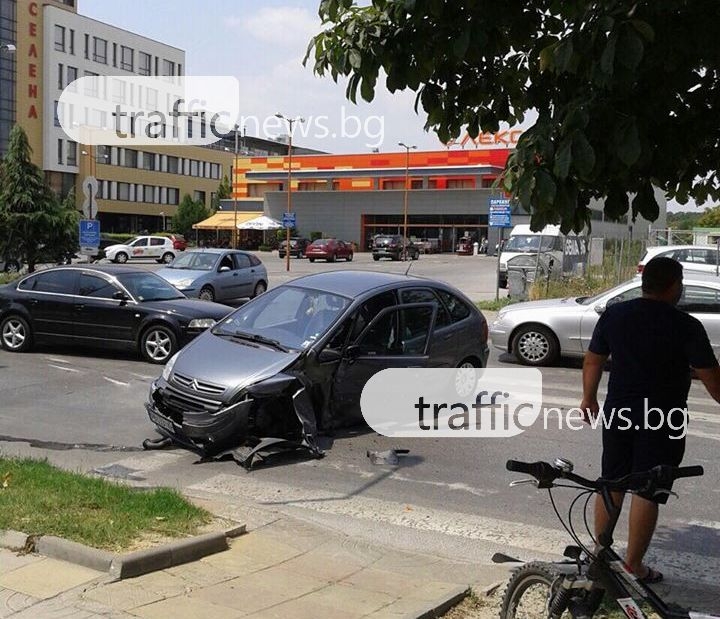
(654, 347)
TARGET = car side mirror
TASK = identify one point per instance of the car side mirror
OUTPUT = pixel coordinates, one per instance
(329, 355)
(599, 309)
(352, 351)
(119, 295)
(224, 269)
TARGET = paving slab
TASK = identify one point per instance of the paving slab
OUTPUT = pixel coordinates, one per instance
(186, 608)
(47, 578)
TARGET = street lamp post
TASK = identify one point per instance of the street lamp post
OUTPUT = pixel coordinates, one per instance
(290, 122)
(405, 201)
(233, 171)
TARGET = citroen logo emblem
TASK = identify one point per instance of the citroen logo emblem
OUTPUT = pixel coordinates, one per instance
(194, 385)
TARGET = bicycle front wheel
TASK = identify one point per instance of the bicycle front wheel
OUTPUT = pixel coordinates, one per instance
(530, 591)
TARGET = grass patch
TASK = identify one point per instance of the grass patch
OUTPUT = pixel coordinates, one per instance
(494, 305)
(6, 278)
(40, 499)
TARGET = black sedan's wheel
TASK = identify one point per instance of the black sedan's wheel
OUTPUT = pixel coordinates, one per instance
(122, 257)
(12, 266)
(416, 255)
(349, 258)
(466, 377)
(158, 343)
(207, 294)
(376, 258)
(260, 287)
(535, 345)
(15, 334)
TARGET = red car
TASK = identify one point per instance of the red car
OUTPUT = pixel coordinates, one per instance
(179, 242)
(329, 249)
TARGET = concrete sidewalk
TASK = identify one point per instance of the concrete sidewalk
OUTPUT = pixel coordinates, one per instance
(284, 569)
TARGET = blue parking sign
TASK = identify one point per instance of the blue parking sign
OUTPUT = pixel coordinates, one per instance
(499, 213)
(288, 220)
(89, 233)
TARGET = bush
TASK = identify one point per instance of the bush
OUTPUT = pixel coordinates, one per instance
(314, 236)
(264, 248)
(6, 278)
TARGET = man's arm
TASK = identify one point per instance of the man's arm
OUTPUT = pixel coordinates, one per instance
(593, 365)
(710, 377)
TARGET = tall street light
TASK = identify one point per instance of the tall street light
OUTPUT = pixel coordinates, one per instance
(290, 122)
(405, 203)
(232, 187)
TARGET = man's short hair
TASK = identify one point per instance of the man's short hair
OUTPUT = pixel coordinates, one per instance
(660, 274)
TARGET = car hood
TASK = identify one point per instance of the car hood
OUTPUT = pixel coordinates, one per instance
(176, 275)
(192, 308)
(117, 246)
(568, 303)
(229, 362)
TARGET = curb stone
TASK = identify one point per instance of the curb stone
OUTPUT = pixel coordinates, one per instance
(441, 605)
(127, 565)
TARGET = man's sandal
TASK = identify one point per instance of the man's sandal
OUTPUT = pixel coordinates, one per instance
(651, 576)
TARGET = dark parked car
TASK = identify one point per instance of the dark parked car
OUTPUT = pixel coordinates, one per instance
(297, 358)
(297, 247)
(329, 249)
(393, 246)
(102, 306)
(9, 265)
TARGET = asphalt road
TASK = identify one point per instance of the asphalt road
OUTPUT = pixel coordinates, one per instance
(84, 410)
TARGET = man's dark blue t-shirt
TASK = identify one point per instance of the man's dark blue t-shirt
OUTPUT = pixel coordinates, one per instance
(653, 346)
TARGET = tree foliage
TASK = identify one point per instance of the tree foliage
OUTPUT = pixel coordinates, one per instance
(710, 218)
(188, 213)
(625, 90)
(224, 191)
(685, 220)
(32, 219)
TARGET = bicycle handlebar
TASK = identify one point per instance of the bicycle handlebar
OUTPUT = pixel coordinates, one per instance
(660, 476)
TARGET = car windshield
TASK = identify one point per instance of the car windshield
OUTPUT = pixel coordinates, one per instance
(320, 242)
(529, 243)
(148, 287)
(291, 316)
(195, 261)
(132, 242)
(597, 297)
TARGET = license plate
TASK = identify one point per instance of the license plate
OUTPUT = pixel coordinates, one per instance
(161, 421)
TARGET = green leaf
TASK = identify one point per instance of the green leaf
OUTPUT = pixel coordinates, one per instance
(629, 147)
(630, 48)
(462, 43)
(645, 29)
(563, 158)
(617, 203)
(367, 89)
(547, 58)
(563, 55)
(355, 59)
(607, 60)
(583, 154)
(545, 188)
(646, 204)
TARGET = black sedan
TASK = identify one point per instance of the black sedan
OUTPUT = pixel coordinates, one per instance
(295, 359)
(102, 306)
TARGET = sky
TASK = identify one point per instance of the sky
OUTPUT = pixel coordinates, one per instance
(262, 44)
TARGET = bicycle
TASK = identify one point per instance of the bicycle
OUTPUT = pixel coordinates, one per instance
(577, 586)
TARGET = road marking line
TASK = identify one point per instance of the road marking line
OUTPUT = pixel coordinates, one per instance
(56, 360)
(60, 367)
(116, 382)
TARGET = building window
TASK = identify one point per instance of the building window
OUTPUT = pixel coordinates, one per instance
(199, 196)
(193, 167)
(71, 153)
(99, 50)
(172, 164)
(123, 191)
(71, 75)
(118, 91)
(72, 42)
(168, 67)
(151, 98)
(102, 155)
(126, 58)
(460, 183)
(148, 161)
(131, 158)
(60, 151)
(393, 184)
(87, 46)
(173, 196)
(91, 86)
(61, 81)
(59, 38)
(114, 54)
(58, 112)
(144, 64)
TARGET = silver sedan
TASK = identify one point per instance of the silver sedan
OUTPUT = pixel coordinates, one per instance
(540, 332)
(217, 274)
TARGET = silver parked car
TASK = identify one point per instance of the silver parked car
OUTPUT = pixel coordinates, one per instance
(217, 274)
(539, 332)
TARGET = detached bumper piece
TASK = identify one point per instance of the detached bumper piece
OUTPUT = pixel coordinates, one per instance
(254, 429)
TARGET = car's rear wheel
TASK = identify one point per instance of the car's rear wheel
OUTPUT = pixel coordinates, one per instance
(331, 258)
(466, 376)
(121, 257)
(349, 258)
(376, 258)
(535, 345)
(207, 293)
(12, 266)
(311, 259)
(158, 343)
(15, 334)
(416, 255)
(168, 257)
(260, 287)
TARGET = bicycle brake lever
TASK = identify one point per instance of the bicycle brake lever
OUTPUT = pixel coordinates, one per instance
(519, 482)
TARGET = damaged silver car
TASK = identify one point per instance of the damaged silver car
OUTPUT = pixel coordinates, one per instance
(292, 363)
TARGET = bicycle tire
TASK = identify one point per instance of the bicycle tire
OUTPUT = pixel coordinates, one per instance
(528, 592)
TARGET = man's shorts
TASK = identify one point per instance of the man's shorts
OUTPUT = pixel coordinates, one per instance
(636, 450)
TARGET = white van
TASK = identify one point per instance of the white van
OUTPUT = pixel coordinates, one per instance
(549, 241)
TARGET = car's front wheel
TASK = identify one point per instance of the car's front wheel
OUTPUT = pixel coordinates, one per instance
(158, 343)
(207, 294)
(260, 287)
(121, 257)
(15, 334)
(376, 258)
(349, 258)
(168, 257)
(12, 266)
(535, 345)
